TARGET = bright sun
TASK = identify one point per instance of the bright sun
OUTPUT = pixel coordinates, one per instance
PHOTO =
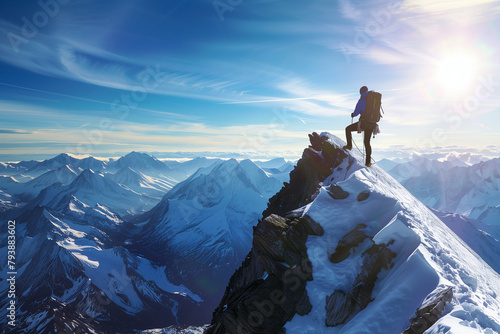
(456, 73)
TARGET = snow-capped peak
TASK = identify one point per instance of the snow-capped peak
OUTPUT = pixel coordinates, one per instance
(140, 162)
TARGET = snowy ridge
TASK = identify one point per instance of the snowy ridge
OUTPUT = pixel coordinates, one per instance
(176, 330)
(430, 258)
(140, 162)
(367, 239)
(137, 172)
(80, 256)
(141, 183)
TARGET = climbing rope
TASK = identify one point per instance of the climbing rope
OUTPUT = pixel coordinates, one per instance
(363, 153)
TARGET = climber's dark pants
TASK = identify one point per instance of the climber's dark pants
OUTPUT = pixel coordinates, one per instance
(368, 134)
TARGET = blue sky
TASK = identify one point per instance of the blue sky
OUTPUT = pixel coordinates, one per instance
(243, 76)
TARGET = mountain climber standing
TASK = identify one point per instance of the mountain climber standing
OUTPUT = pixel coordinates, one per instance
(364, 124)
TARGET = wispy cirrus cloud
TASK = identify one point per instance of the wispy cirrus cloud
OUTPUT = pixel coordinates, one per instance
(14, 132)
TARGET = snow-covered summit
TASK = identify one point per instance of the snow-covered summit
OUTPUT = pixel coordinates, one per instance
(226, 179)
(64, 159)
(346, 249)
(140, 162)
(93, 188)
(202, 228)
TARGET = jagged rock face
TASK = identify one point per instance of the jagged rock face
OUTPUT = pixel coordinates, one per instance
(270, 286)
(306, 178)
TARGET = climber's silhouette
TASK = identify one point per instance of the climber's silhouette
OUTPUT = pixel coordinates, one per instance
(361, 125)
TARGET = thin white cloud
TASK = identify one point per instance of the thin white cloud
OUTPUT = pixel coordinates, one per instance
(448, 8)
(414, 30)
(349, 10)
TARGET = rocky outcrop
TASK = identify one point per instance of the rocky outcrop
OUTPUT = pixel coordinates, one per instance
(270, 287)
(429, 312)
(316, 164)
(350, 241)
(363, 196)
(336, 192)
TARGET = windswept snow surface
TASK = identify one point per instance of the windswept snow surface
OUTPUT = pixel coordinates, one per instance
(483, 239)
(430, 258)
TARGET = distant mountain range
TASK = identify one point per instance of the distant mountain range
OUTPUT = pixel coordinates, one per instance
(101, 241)
(453, 186)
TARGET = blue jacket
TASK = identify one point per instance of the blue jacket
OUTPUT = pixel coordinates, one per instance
(361, 105)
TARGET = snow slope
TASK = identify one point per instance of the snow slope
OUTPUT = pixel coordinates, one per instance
(92, 189)
(182, 171)
(490, 216)
(80, 264)
(481, 238)
(140, 162)
(141, 183)
(430, 258)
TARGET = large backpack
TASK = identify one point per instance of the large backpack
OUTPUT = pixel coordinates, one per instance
(373, 105)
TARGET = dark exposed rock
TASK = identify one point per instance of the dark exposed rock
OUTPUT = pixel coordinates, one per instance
(341, 305)
(348, 242)
(316, 141)
(336, 192)
(262, 298)
(311, 227)
(306, 178)
(363, 196)
(429, 312)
